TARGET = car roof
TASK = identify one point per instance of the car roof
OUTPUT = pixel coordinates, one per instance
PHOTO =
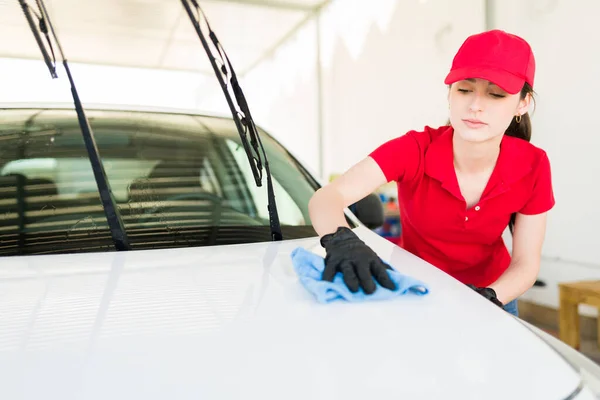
(109, 107)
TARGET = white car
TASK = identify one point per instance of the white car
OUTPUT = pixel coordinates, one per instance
(205, 305)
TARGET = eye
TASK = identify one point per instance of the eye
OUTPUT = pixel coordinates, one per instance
(498, 96)
(463, 90)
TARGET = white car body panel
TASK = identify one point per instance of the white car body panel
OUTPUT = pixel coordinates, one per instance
(233, 322)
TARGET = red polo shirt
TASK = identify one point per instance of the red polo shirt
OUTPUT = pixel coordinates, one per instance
(436, 224)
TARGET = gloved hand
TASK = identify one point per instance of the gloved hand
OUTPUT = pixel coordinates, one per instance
(488, 293)
(357, 262)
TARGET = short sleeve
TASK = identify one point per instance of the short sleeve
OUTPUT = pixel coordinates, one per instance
(401, 157)
(542, 195)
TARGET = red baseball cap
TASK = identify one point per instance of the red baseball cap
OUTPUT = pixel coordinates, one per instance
(497, 56)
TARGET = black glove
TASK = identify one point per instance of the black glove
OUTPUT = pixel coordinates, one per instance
(488, 293)
(357, 262)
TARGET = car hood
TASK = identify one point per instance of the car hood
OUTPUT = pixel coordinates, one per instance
(233, 322)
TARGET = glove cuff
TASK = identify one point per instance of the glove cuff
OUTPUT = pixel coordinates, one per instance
(491, 295)
(488, 293)
(340, 231)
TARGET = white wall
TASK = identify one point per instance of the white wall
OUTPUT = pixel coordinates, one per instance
(565, 41)
(282, 93)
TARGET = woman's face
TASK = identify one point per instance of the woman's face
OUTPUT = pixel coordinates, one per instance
(480, 111)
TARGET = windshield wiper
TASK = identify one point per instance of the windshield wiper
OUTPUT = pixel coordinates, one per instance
(44, 26)
(240, 111)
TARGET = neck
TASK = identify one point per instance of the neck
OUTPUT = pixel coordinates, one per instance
(474, 158)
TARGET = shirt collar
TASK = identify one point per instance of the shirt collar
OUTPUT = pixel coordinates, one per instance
(510, 167)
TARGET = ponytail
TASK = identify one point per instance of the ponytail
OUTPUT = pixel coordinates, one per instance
(520, 130)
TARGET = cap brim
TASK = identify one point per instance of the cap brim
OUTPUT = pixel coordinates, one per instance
(505, 80)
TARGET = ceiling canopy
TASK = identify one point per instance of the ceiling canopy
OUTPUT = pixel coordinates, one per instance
(156, 33)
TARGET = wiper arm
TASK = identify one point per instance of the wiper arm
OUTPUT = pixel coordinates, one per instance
(111, 211)
(240, 110)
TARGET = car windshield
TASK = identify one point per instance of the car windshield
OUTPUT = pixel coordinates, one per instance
(178, 180)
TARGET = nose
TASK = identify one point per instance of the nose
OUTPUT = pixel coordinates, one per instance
(476, 103)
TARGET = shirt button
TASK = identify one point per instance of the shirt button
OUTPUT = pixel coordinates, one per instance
(466, 218)
(477, 208)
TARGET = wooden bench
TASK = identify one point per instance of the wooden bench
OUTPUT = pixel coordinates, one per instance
(571, 295)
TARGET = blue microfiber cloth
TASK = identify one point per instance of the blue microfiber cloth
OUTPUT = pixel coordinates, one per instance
(310, 266)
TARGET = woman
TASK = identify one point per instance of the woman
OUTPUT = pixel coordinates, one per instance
(459, 185)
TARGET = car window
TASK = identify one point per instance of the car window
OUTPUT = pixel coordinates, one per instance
(288, 211)
(178, 180)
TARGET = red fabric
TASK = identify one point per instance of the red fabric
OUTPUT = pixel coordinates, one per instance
(499, 57)
(437, 227)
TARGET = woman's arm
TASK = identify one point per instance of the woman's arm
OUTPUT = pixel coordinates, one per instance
(359, 265)
(396, 160)
(528, 238)
(326, 207)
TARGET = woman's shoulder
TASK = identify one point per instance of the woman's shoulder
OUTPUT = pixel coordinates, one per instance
(427, 135)
(413, 142)
(526, 151)
(402, 157)
(528, 160)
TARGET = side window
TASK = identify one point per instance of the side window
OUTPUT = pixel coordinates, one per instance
(289, 212)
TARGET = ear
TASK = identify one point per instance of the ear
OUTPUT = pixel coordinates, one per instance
(523, 106)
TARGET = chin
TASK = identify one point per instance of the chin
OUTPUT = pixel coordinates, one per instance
(474, 135)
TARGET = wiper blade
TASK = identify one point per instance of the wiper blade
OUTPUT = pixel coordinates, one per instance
(239, 109)
(111, 210)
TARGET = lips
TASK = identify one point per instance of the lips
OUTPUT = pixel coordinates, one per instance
(474, 123)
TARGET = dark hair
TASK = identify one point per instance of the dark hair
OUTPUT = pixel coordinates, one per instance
(521, 130)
